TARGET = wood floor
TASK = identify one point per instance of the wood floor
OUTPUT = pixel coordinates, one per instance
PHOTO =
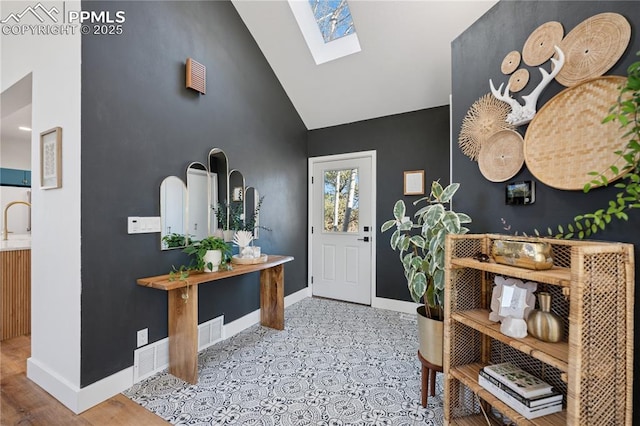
(22, 402)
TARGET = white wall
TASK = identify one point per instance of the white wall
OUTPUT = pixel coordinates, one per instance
(55, 276)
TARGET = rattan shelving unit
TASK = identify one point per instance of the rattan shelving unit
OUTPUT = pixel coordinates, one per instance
(592, 288)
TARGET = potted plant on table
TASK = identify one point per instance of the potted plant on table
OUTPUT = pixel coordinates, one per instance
(210, 253)
(420, 244)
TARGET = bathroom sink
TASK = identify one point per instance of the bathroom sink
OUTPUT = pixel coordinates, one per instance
(16, 242)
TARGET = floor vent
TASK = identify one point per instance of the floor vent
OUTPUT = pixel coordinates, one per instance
(154, 358)
(210, 332)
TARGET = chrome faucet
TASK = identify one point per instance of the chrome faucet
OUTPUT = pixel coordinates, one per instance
(5, 231)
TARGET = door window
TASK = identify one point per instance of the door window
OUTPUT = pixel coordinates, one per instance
(341, 200)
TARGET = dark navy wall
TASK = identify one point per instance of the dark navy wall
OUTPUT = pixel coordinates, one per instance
(139, 125)
(412, 141)
(476, 57)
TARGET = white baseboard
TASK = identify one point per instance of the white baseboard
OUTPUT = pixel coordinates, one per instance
(297, 296)
(252, 318)
(74, 398)
(81, 399)
(395, 305)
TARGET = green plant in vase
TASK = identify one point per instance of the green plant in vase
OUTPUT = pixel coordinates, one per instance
(201, 249)
(420, 243)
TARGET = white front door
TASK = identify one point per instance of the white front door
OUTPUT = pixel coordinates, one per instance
(342, 227)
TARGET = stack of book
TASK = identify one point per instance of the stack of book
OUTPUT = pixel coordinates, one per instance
(525, 393)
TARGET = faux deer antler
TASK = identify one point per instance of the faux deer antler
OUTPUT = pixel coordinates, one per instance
(519, 114)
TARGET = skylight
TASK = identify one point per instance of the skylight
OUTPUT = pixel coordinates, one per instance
(327, 27)
(333, 18)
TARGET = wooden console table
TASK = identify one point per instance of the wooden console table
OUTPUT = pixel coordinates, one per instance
(183, 308)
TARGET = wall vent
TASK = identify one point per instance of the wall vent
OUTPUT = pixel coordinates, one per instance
(210, 332)
(196, 76)
(153, 358)
(150, 359)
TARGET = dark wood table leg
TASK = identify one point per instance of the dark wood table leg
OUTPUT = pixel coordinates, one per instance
(183, 333)
(428, 378)
(272, 297)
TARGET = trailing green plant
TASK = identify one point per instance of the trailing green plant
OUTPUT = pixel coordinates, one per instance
(199, 248)
(174, 240)
(180, 274)
(420, 244)
(626, 111)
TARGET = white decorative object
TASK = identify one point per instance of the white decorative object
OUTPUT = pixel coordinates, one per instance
(514, 327)
(519, 114)
(242, 239)
(511, 298)
(511, 302)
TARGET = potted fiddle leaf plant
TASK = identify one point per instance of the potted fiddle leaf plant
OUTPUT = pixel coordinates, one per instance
(210, 253)
(420, 242)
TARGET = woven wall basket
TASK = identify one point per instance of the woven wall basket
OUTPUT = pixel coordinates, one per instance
(486, 117)
(593, 47)
(501, 156)
(539, 45)
(566, 139)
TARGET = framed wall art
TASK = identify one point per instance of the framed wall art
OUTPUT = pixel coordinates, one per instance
(51, 158)
(414, 182)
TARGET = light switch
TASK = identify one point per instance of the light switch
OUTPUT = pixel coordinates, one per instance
(133, 225)
(143, 225)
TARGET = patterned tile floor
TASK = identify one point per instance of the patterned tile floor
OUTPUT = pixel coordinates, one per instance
(334, 364)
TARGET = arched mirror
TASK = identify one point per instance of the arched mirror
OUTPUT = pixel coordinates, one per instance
(219, 186)
(173, 201)
(198, 204)
(236, 201)
(252, 212)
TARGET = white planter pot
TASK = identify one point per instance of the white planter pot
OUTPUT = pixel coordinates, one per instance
(228, 235)
(214, 257)
(431, 337)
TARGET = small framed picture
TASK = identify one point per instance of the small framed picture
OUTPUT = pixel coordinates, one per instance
(414, 182)
(512, 297)
(51, 158)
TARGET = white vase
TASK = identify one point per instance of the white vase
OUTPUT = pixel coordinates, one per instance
(228, 235)
(214, 257)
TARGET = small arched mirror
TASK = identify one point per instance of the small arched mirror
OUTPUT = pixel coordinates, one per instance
(252, 215)
(198, 201)
(236, 202)
(173, 199)
(219, 186)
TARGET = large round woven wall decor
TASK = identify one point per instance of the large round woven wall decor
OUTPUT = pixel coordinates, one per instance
(486, 116)
(539, 46)
(566, 139)
(501, 156)
(518, 80)
(593, 47)
(511, 62)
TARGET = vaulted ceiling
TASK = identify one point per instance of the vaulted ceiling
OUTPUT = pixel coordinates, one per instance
(404, 65)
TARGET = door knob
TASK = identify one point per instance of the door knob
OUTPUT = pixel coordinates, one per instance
(365, 239)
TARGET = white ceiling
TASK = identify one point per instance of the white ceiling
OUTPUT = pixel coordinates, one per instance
(404, 65)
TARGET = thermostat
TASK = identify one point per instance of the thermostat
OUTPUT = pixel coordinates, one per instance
(520, 193)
